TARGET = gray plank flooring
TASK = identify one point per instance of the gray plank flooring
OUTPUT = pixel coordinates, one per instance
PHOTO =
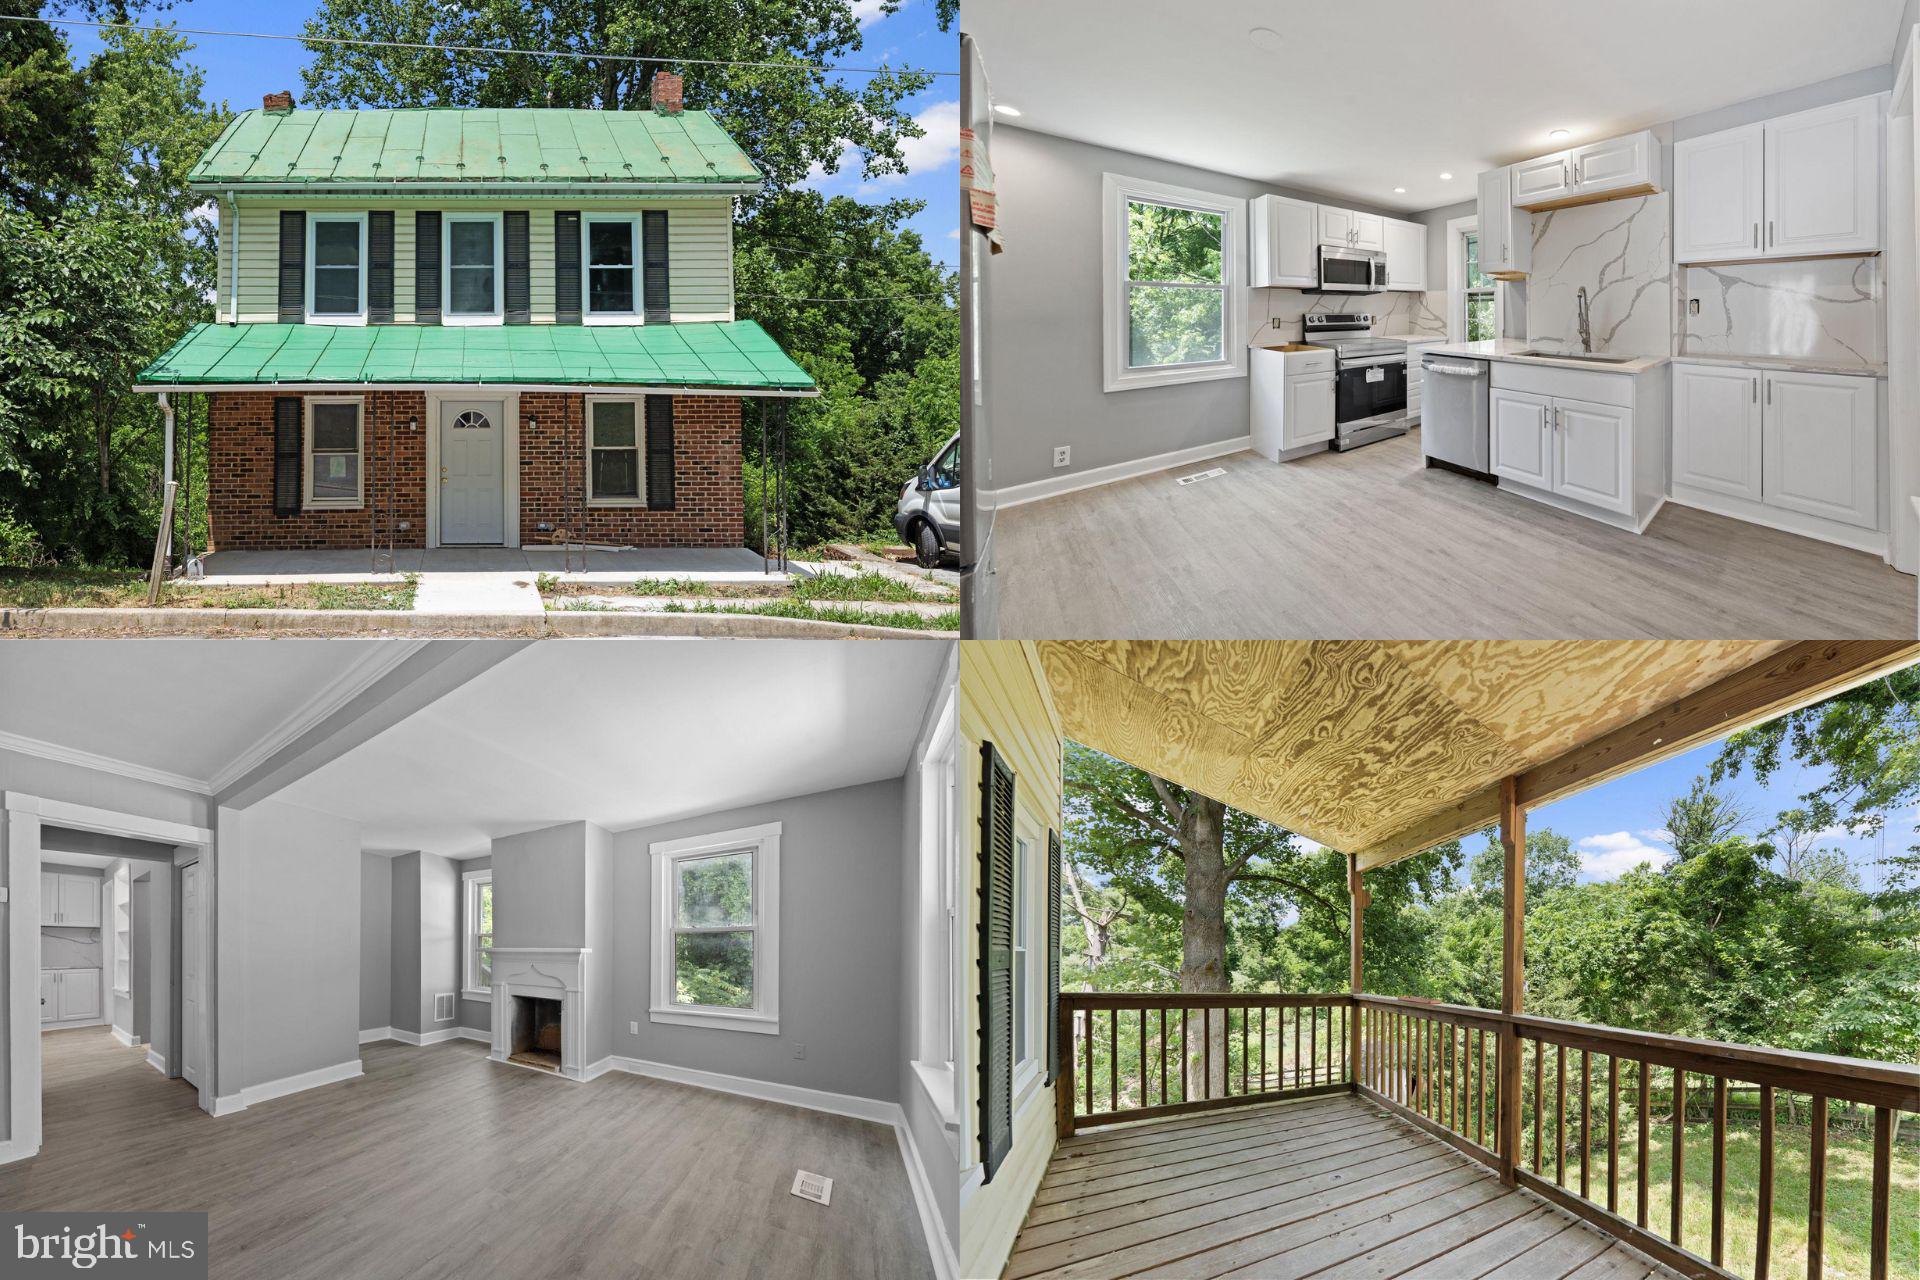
(412, 1171)
(1328, 1187)
(1372, 545)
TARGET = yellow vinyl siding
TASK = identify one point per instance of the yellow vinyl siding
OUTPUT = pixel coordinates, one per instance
(700, 258)
(1003, 701)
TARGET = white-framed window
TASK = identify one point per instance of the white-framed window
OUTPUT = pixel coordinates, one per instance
(1476, 302)
(476, 932)
(472, 274)
(936, 1055)
(716, 930)
(616, 451)
(610, 256)
(336, 268)
(334, 444)
(1173, 282)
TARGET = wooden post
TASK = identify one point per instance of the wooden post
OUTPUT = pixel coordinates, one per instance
(1356, 921)
(1063, 1082)
(1513, 842)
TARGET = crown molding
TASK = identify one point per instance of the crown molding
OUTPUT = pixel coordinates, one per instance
(102, 764)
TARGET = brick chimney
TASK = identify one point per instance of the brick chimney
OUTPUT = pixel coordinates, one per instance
(278, 103)
(666, 93)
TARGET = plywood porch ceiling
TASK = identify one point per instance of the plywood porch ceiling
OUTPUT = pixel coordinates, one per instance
(1356, 743)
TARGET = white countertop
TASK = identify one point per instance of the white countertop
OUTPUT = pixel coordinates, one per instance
(1510, 348)
(1411, 338)
(1790, 364)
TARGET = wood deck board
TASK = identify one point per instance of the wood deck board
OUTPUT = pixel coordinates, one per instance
(1392, 549)
(1403, 1205)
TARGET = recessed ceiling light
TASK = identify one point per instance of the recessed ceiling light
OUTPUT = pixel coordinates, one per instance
(1266, 38)
(1446, 177)
(1006, 110)
(1556, 135)
(1399, 191)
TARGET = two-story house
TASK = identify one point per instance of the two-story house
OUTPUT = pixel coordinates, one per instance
(449, 327)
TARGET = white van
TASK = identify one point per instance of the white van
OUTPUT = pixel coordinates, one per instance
(928, 516)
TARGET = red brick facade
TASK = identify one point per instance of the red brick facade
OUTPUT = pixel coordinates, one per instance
(708, 499)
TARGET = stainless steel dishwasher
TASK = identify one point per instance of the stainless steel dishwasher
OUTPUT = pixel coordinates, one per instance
(1453, 415)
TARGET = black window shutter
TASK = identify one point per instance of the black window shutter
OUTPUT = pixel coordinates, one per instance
(660, 453)
(287, 452)
(1053, 955)
(293, 266)
(996, 959)
(380, 266)
(566, 267)
(515, 233)
(653, 236)
(426, 267)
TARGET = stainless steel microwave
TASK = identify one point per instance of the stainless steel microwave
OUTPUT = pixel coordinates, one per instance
(1351, 270)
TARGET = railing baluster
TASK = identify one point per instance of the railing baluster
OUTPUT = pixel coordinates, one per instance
(1296, 1046)
(1245, 1017)
(1878, 1249)
(1719, 1170)
(1143, 1056)
(1613, 1133)
(1346, 1046)
(1263, 1048)
(1163, 1056)
(1560, 1115)
(1679, 1151)
(1763, 1234)
(1586, 1117)
(1640, 1165)
(1113, 1059)
(1313, 1045)
(1186, 1095)
(1480, 1053)
(1206, 1051)
(1539, 1098)
(1817, 1191)
(1089, 1043)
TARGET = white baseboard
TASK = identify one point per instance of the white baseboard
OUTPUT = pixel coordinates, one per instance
(424, 1038)
(595, 1070)
(946, 1264)
(1052, 487)
(72, 1026)
(157, 1062)
(475, 1033)
(1871, 541)
(839, 1104)
(126, 1038)
(10, 1152)
(1658, 503)
(258, 1093)
(370, 1034)
(228, 1105)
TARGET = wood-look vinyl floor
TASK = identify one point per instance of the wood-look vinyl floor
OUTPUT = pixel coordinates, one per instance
(1373, 545)
(440, 1163)
(1329, 1187)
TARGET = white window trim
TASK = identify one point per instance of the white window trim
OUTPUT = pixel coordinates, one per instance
(1028, 1073)
(1458, 229)
(308, 501)
(639, 404)
(936, 1063)
(763, 842)
(499, 313)
(470, 882)
(587, 314)
(1115, 192)
(314, 219)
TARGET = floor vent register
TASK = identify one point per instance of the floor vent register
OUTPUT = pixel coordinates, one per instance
(1201, 475)
(812, 1186)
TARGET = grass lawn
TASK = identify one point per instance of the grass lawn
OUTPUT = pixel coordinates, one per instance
(67, 588)
(865, 585)
(850, 614)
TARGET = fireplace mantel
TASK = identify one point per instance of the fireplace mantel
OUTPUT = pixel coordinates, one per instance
(550, 973)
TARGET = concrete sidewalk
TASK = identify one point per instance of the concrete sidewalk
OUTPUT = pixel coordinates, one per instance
(502, 594)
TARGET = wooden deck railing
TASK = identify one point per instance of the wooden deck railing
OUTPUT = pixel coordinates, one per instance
(1583, 1092)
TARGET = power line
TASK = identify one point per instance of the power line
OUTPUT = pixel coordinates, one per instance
(429, 47)
(877, 297)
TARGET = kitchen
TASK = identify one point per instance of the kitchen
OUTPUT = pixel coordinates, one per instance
(1644, 343)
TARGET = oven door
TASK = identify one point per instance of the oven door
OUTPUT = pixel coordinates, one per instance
(1345, 271)
(1369, 390)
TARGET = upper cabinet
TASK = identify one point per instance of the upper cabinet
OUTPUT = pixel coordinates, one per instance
(1798, 186)
(1351, 229)
(1406, 256)
(1608, 170)
(1506, 230)
(1285, 245)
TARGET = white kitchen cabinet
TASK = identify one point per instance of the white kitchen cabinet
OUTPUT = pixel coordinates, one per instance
(69, 995)
(1406, 256)
(1593, 454)
(1520, 436)
(69, 900)
(1626, 164)
(1292, 400)
(1716, 429)
(1370, 232)
(1309, 410)
(49, 995)
(1285, 243)
(1719, 195)
(1506, 232)
(1336, 225)
(1823, 180)
(1548, 178)
(1821, 437)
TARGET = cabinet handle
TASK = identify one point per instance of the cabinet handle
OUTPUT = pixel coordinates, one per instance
(1756, 235)
(1769, 390)
(1563, 173)
(1769, 233)
(1754, 386)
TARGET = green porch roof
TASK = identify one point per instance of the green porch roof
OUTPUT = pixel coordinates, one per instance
(730, 354)
(442, 145)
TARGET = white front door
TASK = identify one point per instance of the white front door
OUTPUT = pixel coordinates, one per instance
(473, 493)
(192, 962)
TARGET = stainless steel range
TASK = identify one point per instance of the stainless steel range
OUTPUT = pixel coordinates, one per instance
(1370, 381)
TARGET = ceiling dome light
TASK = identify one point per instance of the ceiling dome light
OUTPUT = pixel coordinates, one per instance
(1446, 177)
(1557, 135)
(1266, 38)
(1399, 191)
(1005, 110)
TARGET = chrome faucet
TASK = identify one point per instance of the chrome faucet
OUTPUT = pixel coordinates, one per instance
(1586, 325)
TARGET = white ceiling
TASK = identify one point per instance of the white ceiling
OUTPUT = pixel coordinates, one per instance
(181, 707)
(624, 733)
(1362, 96)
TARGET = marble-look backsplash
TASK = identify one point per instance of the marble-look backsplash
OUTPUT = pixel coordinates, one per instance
(63, 948)
(1619, 252)
(1275, 315)
(1813, 309)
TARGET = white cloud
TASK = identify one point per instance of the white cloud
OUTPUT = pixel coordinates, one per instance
(867, 12)
(1611, 854)
(954, 234)
(938, 146)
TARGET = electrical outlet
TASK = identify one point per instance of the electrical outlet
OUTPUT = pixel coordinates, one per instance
(1063, 455)
(1693, 306)
(799, 1051)
(633, 1028)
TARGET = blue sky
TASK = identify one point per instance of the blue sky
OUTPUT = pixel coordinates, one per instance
(240, 70)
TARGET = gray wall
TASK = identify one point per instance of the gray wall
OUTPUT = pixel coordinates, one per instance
(143, 952)
(1856, 84)
(1436, 223)
(840, 940)
(477, 1014)
(540, 887)
(439, 939)
(403, 989)
(376, 942)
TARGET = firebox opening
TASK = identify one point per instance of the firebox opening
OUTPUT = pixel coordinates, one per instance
(536, 1033)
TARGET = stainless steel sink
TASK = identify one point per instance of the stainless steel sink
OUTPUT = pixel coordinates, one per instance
(1562, 355)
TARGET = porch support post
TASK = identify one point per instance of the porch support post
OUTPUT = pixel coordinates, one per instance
(1356, 922)
(1513, 842)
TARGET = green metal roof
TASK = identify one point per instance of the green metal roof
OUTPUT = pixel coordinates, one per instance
(442, 145)
(731, 354)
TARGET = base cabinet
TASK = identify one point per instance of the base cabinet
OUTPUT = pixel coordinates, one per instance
(1716, 430)
(1573, 448)
(1520, 447)
(69, 995)
(1292, 395)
